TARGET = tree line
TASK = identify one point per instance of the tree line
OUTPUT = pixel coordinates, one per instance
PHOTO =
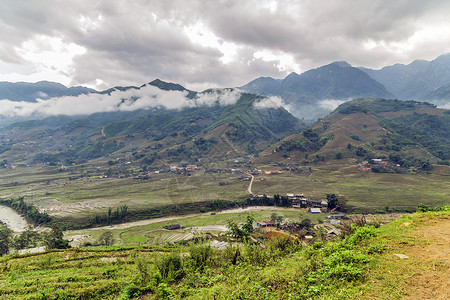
(31, 238)
(31, 213)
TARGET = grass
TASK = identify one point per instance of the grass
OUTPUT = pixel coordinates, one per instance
(361, 189)
(362, 266)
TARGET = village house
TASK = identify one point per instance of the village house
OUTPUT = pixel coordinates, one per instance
(265, 224)
(174, 226)
(338, 216)
(314, 210)
(273, 172)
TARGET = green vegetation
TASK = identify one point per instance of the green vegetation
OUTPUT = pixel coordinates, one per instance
(30, 238)
(361, 265)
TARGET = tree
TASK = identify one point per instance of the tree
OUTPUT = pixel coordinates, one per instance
(305, 223)
(422, 208)
(5, 239)
(27, 239)
(360, 151)
(278, 219)
(234, 230)
(247, 227)
(106, 238)
(243, 231)
(54, 239)
(332, 201)
(339, 155)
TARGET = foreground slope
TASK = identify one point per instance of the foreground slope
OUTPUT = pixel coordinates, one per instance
(403, 259)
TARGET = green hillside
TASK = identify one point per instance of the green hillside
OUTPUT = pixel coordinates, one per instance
(240, 128)
(406, 133)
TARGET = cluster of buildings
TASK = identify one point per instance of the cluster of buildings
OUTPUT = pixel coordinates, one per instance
(374, 162)
(314, 206)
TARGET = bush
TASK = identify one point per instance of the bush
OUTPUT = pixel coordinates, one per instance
(171, 267)
(200, 255)
(422, 208)
(361, 234)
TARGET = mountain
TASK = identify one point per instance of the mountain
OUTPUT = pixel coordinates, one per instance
(415, 80)
(264, 86)
(30, 92)
(406, 133)
(440, 96)
(336, 82)
(196, 133)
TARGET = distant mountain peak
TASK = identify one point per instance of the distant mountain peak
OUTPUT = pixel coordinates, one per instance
(164, 85)
(169, 86)
(342, 64)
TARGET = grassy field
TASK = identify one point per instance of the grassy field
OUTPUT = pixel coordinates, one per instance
(403, 259)
(82, 192)
(360, 188)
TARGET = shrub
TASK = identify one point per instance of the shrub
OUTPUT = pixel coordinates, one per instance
(171, 267)
(200, 255)
(361, 234)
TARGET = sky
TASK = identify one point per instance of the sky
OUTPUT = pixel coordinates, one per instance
(202, 44)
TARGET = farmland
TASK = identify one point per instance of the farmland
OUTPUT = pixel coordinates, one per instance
(82, 192)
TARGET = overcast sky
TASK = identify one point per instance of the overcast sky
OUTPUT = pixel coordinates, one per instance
(202, 44)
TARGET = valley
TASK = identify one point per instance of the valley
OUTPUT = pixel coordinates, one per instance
(76, 197)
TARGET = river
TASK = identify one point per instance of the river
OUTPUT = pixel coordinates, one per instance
(12, 219)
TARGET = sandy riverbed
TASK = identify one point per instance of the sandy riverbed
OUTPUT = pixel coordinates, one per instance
(12, 219)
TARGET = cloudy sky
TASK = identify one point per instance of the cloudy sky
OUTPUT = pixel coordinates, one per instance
(200, 43)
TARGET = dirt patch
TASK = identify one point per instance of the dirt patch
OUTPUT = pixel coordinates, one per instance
(433, 281)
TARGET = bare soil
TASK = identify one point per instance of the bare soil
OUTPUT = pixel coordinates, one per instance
(433, 281)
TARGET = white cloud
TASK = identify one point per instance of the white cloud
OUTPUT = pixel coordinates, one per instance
(331, 104)
(446, 106)
(144, 98)
(271, 102)
(222, 43)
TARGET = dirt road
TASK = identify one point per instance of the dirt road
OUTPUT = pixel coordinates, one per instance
(432, 281)
(249, 189)
(172, 218)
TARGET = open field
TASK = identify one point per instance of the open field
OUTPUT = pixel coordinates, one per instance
(360, 188)
(81, 192)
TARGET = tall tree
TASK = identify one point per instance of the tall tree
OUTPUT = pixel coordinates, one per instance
(5, 240)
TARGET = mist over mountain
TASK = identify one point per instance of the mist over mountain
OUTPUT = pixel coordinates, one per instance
(30, 92)
(316, 92)
(415, 81)
(167, 118)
